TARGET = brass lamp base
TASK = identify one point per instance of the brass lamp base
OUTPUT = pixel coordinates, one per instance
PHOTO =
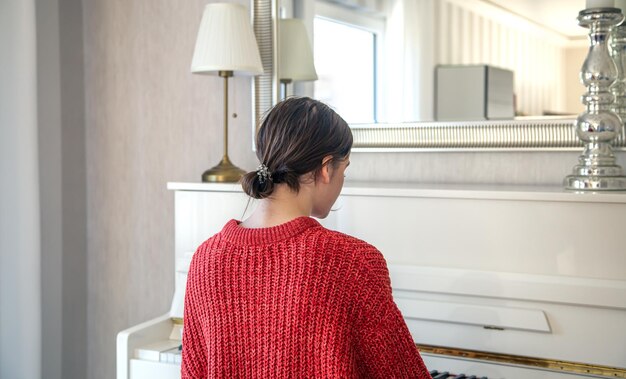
(224, 172)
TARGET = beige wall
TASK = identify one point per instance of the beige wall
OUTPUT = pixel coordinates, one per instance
(149, 121)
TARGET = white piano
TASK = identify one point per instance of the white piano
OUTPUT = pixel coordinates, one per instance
(497, 282)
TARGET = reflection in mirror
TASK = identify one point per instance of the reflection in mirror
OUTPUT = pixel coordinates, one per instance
(296, 54)
(376, 59)
(520, 134)
(347, 75)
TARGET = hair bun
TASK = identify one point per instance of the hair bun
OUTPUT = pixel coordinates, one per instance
(255, 187)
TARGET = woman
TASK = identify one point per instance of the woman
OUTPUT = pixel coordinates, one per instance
(280, 296)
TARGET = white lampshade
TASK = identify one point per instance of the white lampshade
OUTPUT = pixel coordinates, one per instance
(226, 42)
(296, 55)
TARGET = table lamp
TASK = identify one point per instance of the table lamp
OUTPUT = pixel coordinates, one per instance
(296, 55)
(225, 46)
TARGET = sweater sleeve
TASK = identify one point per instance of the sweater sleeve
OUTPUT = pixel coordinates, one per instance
(385, 345)
(194, 354)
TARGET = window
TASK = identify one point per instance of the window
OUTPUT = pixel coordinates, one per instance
(346, 50)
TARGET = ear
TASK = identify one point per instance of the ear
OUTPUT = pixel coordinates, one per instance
(325, 173)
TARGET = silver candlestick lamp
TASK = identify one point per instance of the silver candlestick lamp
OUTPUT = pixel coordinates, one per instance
(618, 53)
(599, 124)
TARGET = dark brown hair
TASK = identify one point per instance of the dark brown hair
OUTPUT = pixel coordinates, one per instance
(294, 137)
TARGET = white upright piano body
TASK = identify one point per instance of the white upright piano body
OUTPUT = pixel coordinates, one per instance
(500, 282)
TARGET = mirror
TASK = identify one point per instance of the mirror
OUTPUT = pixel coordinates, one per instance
(408, 117)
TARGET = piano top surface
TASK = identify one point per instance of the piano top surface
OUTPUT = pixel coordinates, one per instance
(461, 191)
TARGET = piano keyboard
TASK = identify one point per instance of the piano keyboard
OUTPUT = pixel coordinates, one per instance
(171, 356)
(446, 375)
(168, 351)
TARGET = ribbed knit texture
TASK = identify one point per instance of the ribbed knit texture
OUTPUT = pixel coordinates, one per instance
(293, 301)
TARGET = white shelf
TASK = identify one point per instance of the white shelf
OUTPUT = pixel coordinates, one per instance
(215, 187)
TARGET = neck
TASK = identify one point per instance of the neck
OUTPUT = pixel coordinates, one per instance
(284, 205)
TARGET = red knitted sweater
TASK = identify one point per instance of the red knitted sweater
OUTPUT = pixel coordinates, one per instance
(293, 301)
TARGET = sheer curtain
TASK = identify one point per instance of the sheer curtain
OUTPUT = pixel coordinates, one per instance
(405, 85)
(407, 77)
(20, 259)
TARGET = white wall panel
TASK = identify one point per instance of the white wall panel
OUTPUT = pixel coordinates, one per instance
(20, 242)
(472, 34)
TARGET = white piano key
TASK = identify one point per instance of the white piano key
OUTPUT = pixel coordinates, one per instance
(153, 351)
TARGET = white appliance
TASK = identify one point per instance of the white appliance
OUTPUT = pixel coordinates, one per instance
(473, 92)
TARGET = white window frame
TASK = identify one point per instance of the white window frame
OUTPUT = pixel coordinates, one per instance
(372, 24)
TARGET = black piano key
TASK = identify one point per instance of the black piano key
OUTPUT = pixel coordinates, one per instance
(445, 375)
